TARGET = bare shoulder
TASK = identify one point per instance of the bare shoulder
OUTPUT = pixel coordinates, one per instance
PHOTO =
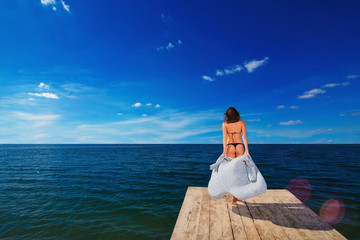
(242, 122)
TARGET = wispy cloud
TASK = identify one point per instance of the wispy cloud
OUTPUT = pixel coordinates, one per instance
(167, 126)
(169, 46)
(228, 70)
(219, 73)
(312, 93)
(249, 65)
(283, 106)
(157, 105)
(45, 95)
(208, 78)
(36, 117)
(66, 7)
(316, 91)
(54, 3)
(254, 120)
(353, 76)
(291, 122)
(331, 85)
(253, 64)
(148, 104)
(48, 2)
(37, 120)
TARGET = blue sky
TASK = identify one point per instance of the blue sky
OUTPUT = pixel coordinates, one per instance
(166, 71)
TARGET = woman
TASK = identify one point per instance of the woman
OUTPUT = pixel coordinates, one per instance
(232, 127)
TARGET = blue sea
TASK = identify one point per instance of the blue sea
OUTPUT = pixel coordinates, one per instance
(136, 191)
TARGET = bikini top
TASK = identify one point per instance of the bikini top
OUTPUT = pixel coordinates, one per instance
(232, 135)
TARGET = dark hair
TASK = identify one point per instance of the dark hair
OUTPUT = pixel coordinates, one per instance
(231, 115)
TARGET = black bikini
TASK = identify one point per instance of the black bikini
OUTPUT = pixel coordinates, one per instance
(235, 144)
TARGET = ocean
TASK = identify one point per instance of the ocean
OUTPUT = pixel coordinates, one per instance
(135, 191)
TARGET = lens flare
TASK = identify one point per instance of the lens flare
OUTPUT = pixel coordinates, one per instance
(332, 211)
(300, 187)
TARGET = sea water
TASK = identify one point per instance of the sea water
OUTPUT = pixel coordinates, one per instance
(136, 191)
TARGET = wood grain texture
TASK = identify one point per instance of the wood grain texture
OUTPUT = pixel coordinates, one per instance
(274, 215)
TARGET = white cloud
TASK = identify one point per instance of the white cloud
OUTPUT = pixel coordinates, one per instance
(291, 122)
(53, 4)
(294, 107)
(136, 104)
(312, 93)
(167, 47)
(353, 76)
(157, 105)
(330, 85)
(252, 65)
(219, 73)
(254, 120)
(179, 42)
(48, 2)
(207, 78)
(119, 114)
(43, 85)
(144, 115)
(232, 69)
(66, 7)
(36, 117)
(45, 95)
(280, 106)
(148, 104)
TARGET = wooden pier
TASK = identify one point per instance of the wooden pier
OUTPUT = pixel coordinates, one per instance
(276, 214)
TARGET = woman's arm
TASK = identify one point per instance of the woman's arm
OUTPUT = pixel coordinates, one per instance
(224, 138)
(243, 132)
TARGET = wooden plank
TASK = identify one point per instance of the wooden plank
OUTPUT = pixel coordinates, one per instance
(276, 214)
(248, 222)
(276, 229)
(235, 219)
(193, 219)
(297, 223)
(310, 218)
(281, 218)
(215, 222)
(220, 226)
(184, 214)
(226, 221)
(263, 227)
(204, 218)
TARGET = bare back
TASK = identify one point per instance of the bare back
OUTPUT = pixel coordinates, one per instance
(234, 131)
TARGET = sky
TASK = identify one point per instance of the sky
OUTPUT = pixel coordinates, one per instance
(159, 71)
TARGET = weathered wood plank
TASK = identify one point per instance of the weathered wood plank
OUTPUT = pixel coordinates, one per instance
(276, 214)
(193, 219)
(220, 226)
(276, 229)
(236, 221)
(248, 222)
(204, 218)
(181, 222)
(281, 219)
(310, 218)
